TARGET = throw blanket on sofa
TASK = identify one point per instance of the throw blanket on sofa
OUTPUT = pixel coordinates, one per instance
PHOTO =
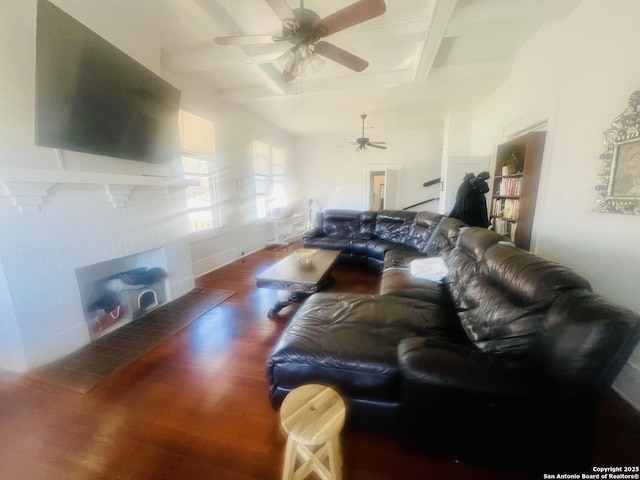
(434, 269)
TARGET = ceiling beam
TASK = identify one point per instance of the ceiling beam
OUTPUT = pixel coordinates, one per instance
(440, 16)
(204, 57)
(484, 17)
(274, 84)
(321, 85)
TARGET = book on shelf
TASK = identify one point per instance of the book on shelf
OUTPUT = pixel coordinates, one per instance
(506, 208)
(505, 227)
(510, 187)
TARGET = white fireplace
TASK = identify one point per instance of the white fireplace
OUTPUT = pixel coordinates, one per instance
(51, 231)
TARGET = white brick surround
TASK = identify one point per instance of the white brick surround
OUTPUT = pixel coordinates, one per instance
(77, 225)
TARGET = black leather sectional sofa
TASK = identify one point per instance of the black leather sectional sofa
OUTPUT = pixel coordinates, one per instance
(507, 357)
(367, 238)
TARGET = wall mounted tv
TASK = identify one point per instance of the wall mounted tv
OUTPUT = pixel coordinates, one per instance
(91, 97)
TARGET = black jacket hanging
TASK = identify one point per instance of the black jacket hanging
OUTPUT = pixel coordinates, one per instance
(471, 205)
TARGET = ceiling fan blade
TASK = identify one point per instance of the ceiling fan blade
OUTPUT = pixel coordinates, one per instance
(244, 40)
(374, 145)
(281, 8)
(341, 56)
(354, 14)
(377, 143)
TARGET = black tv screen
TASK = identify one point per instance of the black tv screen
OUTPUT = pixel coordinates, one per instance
(92, 97)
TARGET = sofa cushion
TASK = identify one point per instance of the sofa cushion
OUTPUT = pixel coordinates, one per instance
(368, 222)
(341, 223)
(400, 257)
(394, 225)
(464, 261)
(444, 237)
(504, 297)
(528, 279)
(400, 282)
(421, 229)
(328, 242)
(359, 244)
(378, 248)
(493, 322)
(350, 341)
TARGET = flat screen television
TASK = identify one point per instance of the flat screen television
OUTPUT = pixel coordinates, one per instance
(91, 97)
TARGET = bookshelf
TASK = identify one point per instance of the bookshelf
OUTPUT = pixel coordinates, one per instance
(515, 188)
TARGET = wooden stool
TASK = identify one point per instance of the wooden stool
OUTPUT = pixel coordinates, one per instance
(313, 416)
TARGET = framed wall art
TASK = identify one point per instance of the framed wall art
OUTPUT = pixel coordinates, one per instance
(618, 190)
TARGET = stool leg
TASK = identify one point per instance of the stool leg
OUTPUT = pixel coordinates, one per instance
(290, 454)
(313, 457)
(335, 458)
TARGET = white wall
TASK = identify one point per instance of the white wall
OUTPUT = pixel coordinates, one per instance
(579, 74)
(234, 131)
(77, 223)
(334, 174)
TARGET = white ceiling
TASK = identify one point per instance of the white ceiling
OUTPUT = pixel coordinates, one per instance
(426, 57)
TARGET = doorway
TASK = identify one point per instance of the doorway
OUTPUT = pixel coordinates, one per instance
(380, 186)
(376, 184)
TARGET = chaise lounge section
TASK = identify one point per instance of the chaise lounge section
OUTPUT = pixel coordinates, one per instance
(511, 353)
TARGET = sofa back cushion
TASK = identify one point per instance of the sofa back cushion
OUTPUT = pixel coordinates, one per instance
(342, 223)
(444, 237)
(394, 225)
(503, 293)
(464, 262)
(420, 231)
(368, 223)
(585, 341)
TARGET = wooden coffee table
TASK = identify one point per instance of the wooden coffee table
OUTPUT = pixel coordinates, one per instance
(301, 280)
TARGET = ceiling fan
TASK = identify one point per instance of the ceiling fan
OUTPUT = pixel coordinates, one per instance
(304, 29)
(363, 142)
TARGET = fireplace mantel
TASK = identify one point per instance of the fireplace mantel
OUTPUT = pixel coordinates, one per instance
(28, 187)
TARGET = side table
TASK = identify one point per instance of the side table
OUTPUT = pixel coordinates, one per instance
(292, 221)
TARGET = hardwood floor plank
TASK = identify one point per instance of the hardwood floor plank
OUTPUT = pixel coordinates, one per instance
(196, 407)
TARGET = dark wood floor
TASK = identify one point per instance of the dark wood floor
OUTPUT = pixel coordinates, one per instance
(196, 407)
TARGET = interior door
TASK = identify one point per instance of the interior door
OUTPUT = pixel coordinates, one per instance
(390, 184)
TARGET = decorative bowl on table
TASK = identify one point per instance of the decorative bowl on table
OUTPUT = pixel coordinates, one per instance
(305, 255)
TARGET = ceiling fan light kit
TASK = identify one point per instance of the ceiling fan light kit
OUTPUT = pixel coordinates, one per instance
(304, 29)
(300, 60)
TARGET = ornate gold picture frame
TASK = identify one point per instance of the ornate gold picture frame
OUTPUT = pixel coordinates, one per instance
(619, 188)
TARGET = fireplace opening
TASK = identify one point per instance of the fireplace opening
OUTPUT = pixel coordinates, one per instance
(119, 291)
(126, 296)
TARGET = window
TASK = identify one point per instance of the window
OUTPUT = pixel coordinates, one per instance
(269, 168)
(196, 139)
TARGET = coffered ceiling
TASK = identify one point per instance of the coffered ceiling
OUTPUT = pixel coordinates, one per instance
(426, 57)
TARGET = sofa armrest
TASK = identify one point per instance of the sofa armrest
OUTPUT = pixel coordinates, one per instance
(438, 363)
(461, 401)
(313, 233)
(584, 343)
